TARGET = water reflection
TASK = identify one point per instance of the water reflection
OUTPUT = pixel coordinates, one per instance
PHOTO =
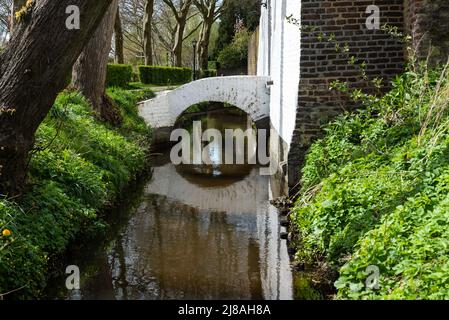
(193, 236)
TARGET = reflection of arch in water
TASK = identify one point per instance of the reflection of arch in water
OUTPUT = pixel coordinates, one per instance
(246, 194)
(170, 249)
(244, 200)
(210, 176)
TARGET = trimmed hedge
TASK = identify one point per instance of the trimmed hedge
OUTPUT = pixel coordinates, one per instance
(119, 75)
(164, 75)
(208, 73)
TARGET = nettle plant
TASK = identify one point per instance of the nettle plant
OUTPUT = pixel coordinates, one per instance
(356, 94)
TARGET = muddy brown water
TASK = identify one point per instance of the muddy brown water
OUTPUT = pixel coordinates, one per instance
(190, 232)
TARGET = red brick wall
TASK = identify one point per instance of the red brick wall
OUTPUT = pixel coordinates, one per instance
(411, 11)
(427, 21)
(320, 64)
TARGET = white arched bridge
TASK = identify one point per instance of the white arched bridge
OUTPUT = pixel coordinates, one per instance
(251, 94)
(248, 93)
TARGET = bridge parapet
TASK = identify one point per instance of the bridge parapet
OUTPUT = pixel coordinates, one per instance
(248, 93)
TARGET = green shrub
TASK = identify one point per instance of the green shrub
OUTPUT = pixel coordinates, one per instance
(164, 75)
(141, 91)
(213, 65)
(119, 75)
(133, 126)
(135, 77)
(82, 179)
(235, 55)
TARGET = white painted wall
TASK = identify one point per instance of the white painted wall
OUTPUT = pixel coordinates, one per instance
(279, 58)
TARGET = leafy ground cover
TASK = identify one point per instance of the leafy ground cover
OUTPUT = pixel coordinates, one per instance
(78, 167)
(375, 193)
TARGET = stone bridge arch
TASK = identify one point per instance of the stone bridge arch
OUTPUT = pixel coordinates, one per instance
(248, 93)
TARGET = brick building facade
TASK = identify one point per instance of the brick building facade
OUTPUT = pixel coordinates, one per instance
(426, 20)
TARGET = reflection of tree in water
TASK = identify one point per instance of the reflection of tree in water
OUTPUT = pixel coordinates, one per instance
(188, 241)
(194, 254)
(254, 272)
(121, 281)
(97, 279)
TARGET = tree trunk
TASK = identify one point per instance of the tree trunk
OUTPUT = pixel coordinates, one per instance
(203, 45)
(181, 13)
(210, 12)
(118, 31)
(33, 70)
(179, 39)
(89, 71)
(147, 32)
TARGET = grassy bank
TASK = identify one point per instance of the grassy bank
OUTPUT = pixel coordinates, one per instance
(78, 168)
(375, 192)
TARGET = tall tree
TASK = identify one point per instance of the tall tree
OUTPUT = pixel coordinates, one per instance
(132, 14)
(147, 32)
(89, 71)
(246, 12)
(180, 11)
(33, 70)
(118, 33)
(210, 11)
(5, 19)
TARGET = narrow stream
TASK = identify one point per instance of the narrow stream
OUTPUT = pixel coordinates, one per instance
(190, 232)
